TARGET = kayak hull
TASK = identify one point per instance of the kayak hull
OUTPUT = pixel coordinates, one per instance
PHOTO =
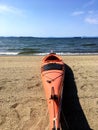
(52, 74)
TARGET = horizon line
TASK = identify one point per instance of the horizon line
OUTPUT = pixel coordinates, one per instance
(53, 36)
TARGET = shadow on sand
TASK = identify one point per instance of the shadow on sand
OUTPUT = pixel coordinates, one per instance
(72, 115)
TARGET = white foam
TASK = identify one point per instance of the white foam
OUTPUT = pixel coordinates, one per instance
(43, 54)
(64, 54)
(9, 53)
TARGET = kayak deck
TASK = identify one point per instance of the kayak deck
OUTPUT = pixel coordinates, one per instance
(52, 74)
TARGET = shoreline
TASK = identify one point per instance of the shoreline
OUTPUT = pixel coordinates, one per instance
(69, 55)
(43, 54)
(22, 99)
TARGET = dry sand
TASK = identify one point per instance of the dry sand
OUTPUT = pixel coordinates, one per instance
(22, 101)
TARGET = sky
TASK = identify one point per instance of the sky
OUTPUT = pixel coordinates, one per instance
(49, 18)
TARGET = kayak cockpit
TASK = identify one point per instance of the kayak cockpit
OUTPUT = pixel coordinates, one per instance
(52, 57)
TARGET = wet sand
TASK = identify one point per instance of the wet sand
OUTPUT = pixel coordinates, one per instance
(22, 100)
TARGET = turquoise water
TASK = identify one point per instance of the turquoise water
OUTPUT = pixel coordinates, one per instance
(42, 46)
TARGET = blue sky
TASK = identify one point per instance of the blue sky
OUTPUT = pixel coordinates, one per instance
(49, 18)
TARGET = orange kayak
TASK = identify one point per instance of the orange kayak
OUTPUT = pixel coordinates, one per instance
(52, 74)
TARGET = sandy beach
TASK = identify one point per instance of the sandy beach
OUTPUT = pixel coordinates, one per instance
(22, 100)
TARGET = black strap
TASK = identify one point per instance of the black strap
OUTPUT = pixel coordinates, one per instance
(52, 66)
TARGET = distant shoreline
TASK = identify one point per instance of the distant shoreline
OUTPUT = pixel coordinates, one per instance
(78, 37)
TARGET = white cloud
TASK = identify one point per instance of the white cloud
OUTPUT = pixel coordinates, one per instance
(91, 2)
(91, 12)
(5, 9)
(91, 20)
(92, 17)
(77, 13)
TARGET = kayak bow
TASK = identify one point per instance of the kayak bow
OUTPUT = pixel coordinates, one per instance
(52, 74)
